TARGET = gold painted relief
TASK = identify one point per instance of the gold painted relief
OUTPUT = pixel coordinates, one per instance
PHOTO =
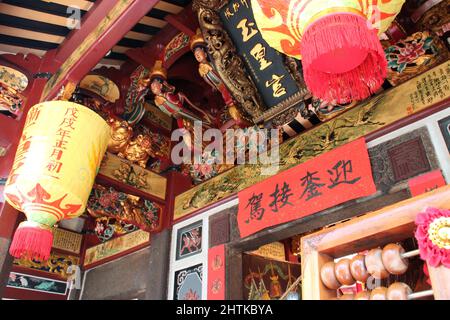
(374, 114)
(126, 172)
(102, 86)
(67, 240)
(57, 264)
(116, 246)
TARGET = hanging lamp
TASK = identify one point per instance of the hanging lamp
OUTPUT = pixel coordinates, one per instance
(58, 157)
(337, 41)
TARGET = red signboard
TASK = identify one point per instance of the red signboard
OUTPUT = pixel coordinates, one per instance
(216, 273)
(335, 177)
(426, 182)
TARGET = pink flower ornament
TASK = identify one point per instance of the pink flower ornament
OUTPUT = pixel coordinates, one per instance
(433, 236)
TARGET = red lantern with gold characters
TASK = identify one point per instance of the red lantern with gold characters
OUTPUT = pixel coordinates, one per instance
(337, 41)
(59, 153)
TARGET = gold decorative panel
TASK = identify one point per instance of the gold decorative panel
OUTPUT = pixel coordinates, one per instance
(57, 264)
(124, 171)
(115, 246)
(274, 250)
(380, 111)
(67, 240)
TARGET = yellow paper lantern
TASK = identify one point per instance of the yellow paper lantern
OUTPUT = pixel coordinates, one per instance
(58, 157)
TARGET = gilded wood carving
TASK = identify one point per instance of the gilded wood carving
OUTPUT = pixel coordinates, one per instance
(373, 114)
(228, 64)
(57, 264)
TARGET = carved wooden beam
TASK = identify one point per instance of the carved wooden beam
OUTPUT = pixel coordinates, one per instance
(228, 63)
(105, 25)
(175, 21)
(231, 67)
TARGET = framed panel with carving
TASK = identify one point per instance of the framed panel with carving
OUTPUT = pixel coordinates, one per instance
(408, 159)
(33, 283)
(444, 124)
(260, 92)
(116, 246)
(58, 264)
(189, 240)
(67, 240)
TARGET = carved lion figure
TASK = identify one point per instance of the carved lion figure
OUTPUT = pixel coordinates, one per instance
(121, 134)
(138, 150)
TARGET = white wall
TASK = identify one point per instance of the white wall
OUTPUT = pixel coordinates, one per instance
(198, 258)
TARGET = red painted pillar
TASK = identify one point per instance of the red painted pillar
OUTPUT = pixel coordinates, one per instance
(176, 184)
(10, 134)
(105, 40)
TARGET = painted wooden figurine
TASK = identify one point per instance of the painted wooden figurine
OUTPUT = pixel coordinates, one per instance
(170, 102)
(211, 77)
(135, 99)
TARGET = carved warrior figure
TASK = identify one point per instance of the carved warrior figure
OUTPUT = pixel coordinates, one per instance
(211, 76)
(170, 102)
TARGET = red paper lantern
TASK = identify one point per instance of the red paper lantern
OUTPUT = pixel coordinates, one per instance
(337, 40)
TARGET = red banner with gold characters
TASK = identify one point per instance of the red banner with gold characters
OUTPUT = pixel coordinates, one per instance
(335, 177)
(216, 273)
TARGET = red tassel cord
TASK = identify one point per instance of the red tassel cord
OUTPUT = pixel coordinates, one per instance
(32, 243)
(343, 59)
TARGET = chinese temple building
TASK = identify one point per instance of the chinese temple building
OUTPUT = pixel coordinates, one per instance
(225, 150)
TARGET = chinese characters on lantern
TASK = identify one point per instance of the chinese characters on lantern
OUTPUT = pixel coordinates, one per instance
(53, 162)
(65, 128)
(330, 179)
(25, 142)
(264, 64)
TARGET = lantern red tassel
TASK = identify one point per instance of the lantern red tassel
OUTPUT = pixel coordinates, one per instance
(343, 59)
(32, 241)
